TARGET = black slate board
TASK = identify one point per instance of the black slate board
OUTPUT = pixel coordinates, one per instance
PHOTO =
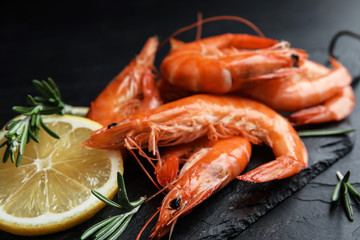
(77, 52)
(231, 210)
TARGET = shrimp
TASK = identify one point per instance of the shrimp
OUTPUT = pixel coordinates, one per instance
(201, 177)
(334, 109)
(132, 91)
(222, 63)
(190, 118)
(304, 89)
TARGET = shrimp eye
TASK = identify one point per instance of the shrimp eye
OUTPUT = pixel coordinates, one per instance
(111, 125)
(175, 203)
(295, 59)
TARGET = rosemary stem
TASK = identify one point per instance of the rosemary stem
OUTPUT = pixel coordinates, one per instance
(76, 110)
(324, 132)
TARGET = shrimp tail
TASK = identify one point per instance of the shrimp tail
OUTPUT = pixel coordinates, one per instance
(334, 109)
(281, 167)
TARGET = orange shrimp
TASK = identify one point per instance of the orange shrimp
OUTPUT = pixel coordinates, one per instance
(307, 88)
(334, 109)
(222, 63)
(132, 91)
(201, 177)
(190, 118)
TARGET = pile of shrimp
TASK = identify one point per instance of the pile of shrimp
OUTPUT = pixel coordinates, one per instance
(213, 98)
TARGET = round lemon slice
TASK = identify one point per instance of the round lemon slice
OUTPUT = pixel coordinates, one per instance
(50, 190)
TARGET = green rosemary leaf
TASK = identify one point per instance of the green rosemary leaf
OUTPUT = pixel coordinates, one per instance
(54, 87)
(52, 100)
(48, 89)
(3, 144)
(48, 130)
(122, 194)
(346, 177)
(105, 200)
(121, 229)
(12, 156)
(33, 120)
(325, 132)
(30, 100)
(347, 203)
(18, 159)
(51, 110)
(105, 229)
(113, 228)
(22, 110)
(15, 126)
(336, 194)
(11, 124)
(37, 132)
(23, 138)
(6, 154)
(39, 87)
(33, 137)
(353, 191)
(41, 99)
(96, 227)
(20, 130)
(35, 110)
(37, 122)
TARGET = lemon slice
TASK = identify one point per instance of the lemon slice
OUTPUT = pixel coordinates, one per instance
(50, 190)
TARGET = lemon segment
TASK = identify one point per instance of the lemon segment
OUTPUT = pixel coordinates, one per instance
(51, 189)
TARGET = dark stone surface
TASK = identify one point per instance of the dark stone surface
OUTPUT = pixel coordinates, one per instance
(83, 46)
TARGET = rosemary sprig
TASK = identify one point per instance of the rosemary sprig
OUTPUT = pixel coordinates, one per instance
(324, 132)
(113, 227)
(346, 190)
(21, 131)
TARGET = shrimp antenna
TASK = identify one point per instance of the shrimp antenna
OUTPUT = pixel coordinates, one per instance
(337, 36)
(143, 168)
(199, 26)
(172, 229)
(161, 190)
(147, 223)
(157, 193)
(212, 19)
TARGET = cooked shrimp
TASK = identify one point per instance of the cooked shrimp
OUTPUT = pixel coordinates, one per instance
(201, 177)
(130, 92)
(304, 89)
(190, 118)
(222, 63)
(334, 109)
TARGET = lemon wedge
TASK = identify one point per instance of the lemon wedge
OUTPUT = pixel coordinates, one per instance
(50, 190)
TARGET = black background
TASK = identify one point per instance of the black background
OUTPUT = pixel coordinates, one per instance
(83, 45)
